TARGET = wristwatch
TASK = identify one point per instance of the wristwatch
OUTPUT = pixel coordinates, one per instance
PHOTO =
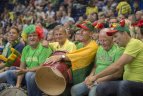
(63, 56)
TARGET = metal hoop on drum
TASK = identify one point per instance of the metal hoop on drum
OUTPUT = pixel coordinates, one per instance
(52, 79)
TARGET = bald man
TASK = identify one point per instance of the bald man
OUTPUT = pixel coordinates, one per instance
(107, 53)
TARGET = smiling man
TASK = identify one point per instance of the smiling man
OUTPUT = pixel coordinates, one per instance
(107, 53)
(131, 61)
(33, 56)
(81, 59)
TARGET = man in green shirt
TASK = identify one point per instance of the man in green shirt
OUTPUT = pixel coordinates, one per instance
(33, 55)
(132, 62)
(106, 54)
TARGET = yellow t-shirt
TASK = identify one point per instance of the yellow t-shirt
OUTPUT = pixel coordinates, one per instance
(123, 8)
(68, 46)
(11, 15)
(134, 70)
(90, 10)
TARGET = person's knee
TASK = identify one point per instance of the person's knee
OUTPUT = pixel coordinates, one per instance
(124, 86)
(102, 89)
(9, 73)
(79, 90)
(74, 91)
(107, 88)
(92, 91)
(28, 76)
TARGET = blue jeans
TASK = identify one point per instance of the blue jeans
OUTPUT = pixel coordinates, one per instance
(3, 75)
(120, 88)
(29, 79)
(130, 88)
(81, 89)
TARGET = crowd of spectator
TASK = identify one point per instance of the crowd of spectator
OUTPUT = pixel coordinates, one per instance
(66, 18)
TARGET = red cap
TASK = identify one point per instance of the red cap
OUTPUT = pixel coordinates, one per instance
(111, 32)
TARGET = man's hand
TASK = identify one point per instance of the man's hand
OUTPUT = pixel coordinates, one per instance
(86, 81)
(20, 71)
(89, 80)
(53, 59)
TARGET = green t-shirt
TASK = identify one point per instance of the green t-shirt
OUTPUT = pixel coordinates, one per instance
(79, 45)
(134, 70)
(105, 58)
(35, 57)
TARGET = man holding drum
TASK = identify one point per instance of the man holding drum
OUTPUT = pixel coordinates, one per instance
(81, 59)
(33, 55)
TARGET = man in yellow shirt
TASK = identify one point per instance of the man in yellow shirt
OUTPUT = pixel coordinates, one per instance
(131, 61)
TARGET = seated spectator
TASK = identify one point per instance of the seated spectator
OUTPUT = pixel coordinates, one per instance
(77, 39)
(139, 31)
(106, 54)
(65, 18)
(113, 22)
(95, 37)
(58, 16)
(33, 55)
(110, 5)
(50, 36)
(131, 61)
(123, 8)
(91, 8)
(13, 42)
(61, 41)
(138, 15)
(92, 17)
(121, 17)
(81, 59)
(50, 12)
(132, 25)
